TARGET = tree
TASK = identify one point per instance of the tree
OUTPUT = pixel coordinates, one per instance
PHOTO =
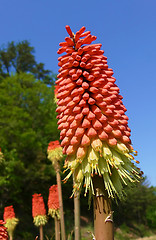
(27, 115)
(151, 212)
(27, 125)
(19, 57)
(137, 205)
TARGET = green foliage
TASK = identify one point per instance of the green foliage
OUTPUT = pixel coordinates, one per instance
(27, 125)
(151, 213)
(27, 115)
(26, 235)
(138, 208)
(19, 57)
(11, 175)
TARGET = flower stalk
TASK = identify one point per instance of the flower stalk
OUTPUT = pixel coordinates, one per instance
(39, 213)
(77, 215)
(53, 209)
(103, 215)
(55, 155)
(11, 220)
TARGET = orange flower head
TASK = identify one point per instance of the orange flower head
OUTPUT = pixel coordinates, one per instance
(10, 220)
(94, 127)
(38, 207)
(38, 210)
(8, 213)
(54, 151)
(53, 201)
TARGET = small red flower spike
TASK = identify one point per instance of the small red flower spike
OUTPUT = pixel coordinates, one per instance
(10, 220)
(55, 153)
(53, 202)
(38, 210)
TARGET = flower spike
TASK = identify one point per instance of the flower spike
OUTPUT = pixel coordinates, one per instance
(38, 210)
(53, 202)
(91, 117)
(10, 219)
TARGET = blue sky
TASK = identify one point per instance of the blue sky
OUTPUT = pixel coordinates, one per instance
(127, 31)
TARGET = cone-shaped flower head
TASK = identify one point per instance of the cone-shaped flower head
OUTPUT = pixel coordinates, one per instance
(3, 231)
(53, 202)
(10, 219)
(94, 128)
(54, 152)
(38, 210)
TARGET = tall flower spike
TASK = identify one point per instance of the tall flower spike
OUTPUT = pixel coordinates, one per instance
(53, 202)
(3, 231)
(94, 128)
(10, 219)
(38, 210)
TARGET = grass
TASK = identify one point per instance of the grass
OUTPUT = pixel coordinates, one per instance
(135, 232)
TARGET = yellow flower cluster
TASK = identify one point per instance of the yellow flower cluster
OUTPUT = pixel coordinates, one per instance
(54, 213)
(11, 224)
(40, 220)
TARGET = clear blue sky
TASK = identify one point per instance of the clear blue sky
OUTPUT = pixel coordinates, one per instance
(127, 31)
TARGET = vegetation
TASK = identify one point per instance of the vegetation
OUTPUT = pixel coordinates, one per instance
(134, 215)
(27, 124)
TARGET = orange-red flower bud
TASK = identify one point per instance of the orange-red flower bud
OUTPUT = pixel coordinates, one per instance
(53, 199)
(54, 148)
(38, 207)
(8, 213)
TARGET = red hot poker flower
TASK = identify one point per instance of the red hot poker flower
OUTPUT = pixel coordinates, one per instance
(10, 219)
(53, 145)
(94, 127)
(38, 210)
(53, 201)
(8, 213)
(54, 151)
(38, 207)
